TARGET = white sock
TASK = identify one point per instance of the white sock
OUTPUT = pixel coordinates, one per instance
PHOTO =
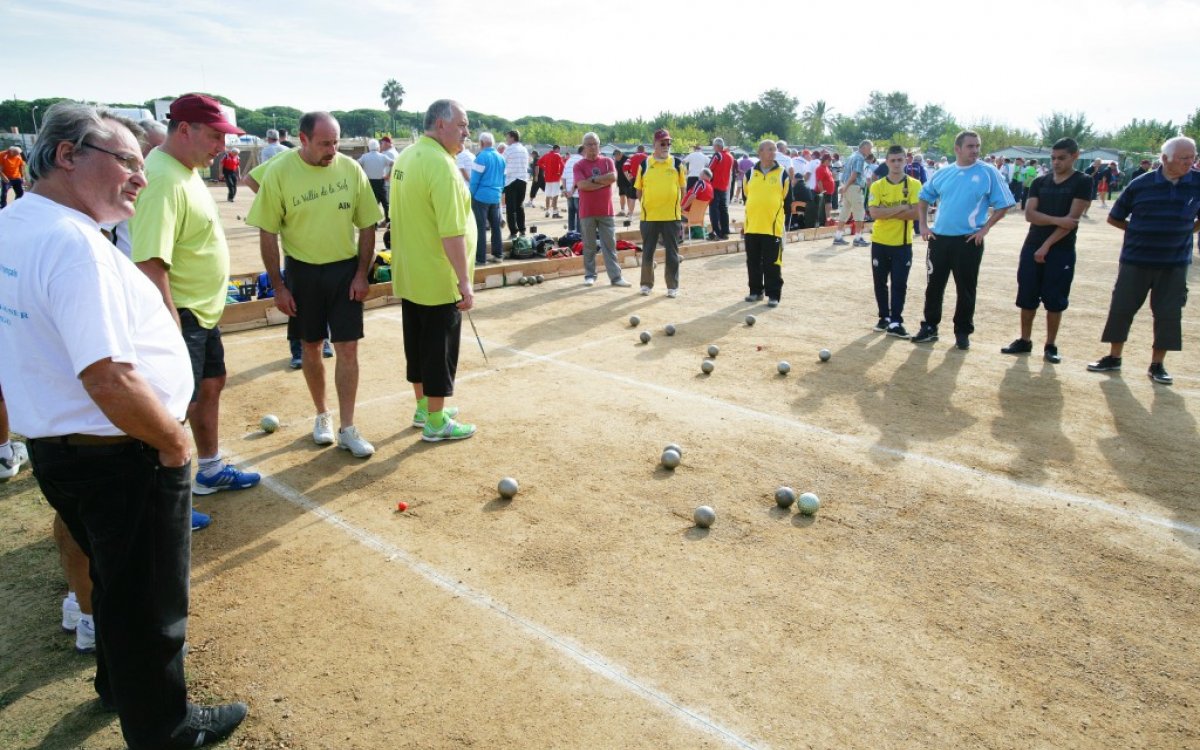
(837, 234)
(208, 465)
(71, 596)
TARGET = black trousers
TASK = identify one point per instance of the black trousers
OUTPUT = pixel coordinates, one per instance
(764, 264)
(959, 257)
(514, 206)
(1168, 291)
(891, 262)
(380, 196)
(132, 517)
(718, 213)
(231, 180)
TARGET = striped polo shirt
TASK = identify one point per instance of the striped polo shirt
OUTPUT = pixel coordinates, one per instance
(1162, 217)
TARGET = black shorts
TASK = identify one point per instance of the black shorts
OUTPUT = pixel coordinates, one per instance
(1046, 283)
(205, 349)
(323, 304)
(431, 336)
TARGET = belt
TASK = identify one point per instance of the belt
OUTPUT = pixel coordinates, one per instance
(79, 440)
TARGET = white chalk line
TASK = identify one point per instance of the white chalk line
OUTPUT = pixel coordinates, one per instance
(594, 662)
(862, 443)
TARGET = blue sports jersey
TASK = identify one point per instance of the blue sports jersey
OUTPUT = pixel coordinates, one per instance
(963, 196)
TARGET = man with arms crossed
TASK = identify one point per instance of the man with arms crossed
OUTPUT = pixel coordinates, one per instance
(434, 232)
(1047, 265)
(963, 191)
(893, 202)
(98, 378)
(1159, 212)
(179, 244)
(311, 201)
(594, 177)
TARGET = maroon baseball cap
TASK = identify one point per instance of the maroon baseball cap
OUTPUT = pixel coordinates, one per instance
(662, 134)
(204, 110)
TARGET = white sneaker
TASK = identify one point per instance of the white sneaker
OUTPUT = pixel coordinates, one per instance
(350, 440)
(71, 614)
(10, 466)
(621, 282)
(589, 281)
(85, 635)
(323, 429)
(645, 291)
(672, 293)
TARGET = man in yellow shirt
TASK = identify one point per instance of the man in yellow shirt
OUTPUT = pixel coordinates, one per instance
(432, 229)
(313, 199)
(893, 201)
(766, 190)
(179, 244)
(660, 182)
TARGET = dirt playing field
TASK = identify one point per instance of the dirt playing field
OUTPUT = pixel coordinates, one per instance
(1007, 553)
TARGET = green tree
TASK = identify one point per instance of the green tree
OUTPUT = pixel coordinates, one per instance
(815, 121)
(993, 137)
(1058, 125)
(845, 130)
(886, 114)
(931, 122)
(1143, 135)
(1191, 126)
(393, 96)
(773, 112)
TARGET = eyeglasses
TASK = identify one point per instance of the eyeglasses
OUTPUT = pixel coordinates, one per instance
(131, 164)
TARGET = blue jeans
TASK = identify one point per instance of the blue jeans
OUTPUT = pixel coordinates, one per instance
(718, 213)
(132, 517)
(485, 214)
(572, 214)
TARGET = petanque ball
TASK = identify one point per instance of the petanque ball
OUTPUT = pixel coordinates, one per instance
(713, 350)
(708, 366)
(673, 447)
(824, 354)
(269, 423)
(508, 488)
(784, 497)
(669, 329)
(750, 320)
(634, 320)
(670, 459)
(704, 516)
(784, 368)
(809, 504)
(645, 337)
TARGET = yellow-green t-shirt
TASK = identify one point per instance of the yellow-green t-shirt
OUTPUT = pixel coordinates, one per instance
(765, 195)
(662, 184)
(314, 210)
(885, 194)
(177, 222)
(430, 202)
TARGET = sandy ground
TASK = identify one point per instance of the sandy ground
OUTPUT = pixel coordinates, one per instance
(1007, 555)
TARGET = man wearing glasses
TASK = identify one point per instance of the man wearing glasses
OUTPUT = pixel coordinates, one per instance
(179, 244)
(660, 182)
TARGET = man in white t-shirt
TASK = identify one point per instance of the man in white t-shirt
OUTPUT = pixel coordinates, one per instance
(571, 191)
(695, 162)
(273, 146)
(97, 376)
(465, 161)
(379, 171)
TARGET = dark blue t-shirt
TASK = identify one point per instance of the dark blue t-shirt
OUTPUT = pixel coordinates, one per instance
(1054, 199)
(1162, 216)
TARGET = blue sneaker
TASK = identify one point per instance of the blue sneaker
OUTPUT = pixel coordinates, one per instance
(228, 478)
(200, 521)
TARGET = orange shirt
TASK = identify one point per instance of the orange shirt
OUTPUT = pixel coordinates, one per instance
(12, 166)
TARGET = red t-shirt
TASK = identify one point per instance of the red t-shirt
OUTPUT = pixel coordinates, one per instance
(230, 163)
(632, 164)
(824, 180)
(552, 167)
(594, 202)
(722, 170)
(702, 190)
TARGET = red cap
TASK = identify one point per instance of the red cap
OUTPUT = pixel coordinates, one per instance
(662, 134)
(204, 110)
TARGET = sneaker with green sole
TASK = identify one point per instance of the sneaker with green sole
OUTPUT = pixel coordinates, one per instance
(420, 415)
(451, 430)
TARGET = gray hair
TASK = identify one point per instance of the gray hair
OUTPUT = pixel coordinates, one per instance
(1172, 145)
(865, 143)
(706, 172)
(272, 134)
(442, 109)
(486, 139)
(719, 142)
(765, 142)
(372, 145)
(591, 135)
(75, 123)
(153, 126)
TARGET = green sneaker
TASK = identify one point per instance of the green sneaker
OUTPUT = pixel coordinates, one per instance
(450, 431)
(420, 415)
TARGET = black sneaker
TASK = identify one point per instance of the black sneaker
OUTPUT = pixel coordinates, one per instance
(1050, 354)
(927, 334)
(962, 342)
(1107, 363)
(1159, 374)
(1020, 346)
(897, 330)
(882, 325)
(208, 725)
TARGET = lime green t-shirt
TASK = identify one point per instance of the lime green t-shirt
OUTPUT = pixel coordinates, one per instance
(177, 222)
(1030, 175)
(314, 210)
(885, 194)
(430, 202)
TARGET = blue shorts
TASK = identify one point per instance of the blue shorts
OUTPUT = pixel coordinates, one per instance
(1046, 283)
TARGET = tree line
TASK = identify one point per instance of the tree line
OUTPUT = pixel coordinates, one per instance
(886, 118)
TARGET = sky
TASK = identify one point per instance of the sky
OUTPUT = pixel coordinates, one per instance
(1008, 62)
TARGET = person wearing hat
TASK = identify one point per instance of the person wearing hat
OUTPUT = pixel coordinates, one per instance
(660, 181)
(12, 168)
(179, 244)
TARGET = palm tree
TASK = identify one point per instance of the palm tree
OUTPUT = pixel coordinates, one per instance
(816, 119)
(393, 97)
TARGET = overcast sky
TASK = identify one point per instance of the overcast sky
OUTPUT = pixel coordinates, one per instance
(602, 61)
